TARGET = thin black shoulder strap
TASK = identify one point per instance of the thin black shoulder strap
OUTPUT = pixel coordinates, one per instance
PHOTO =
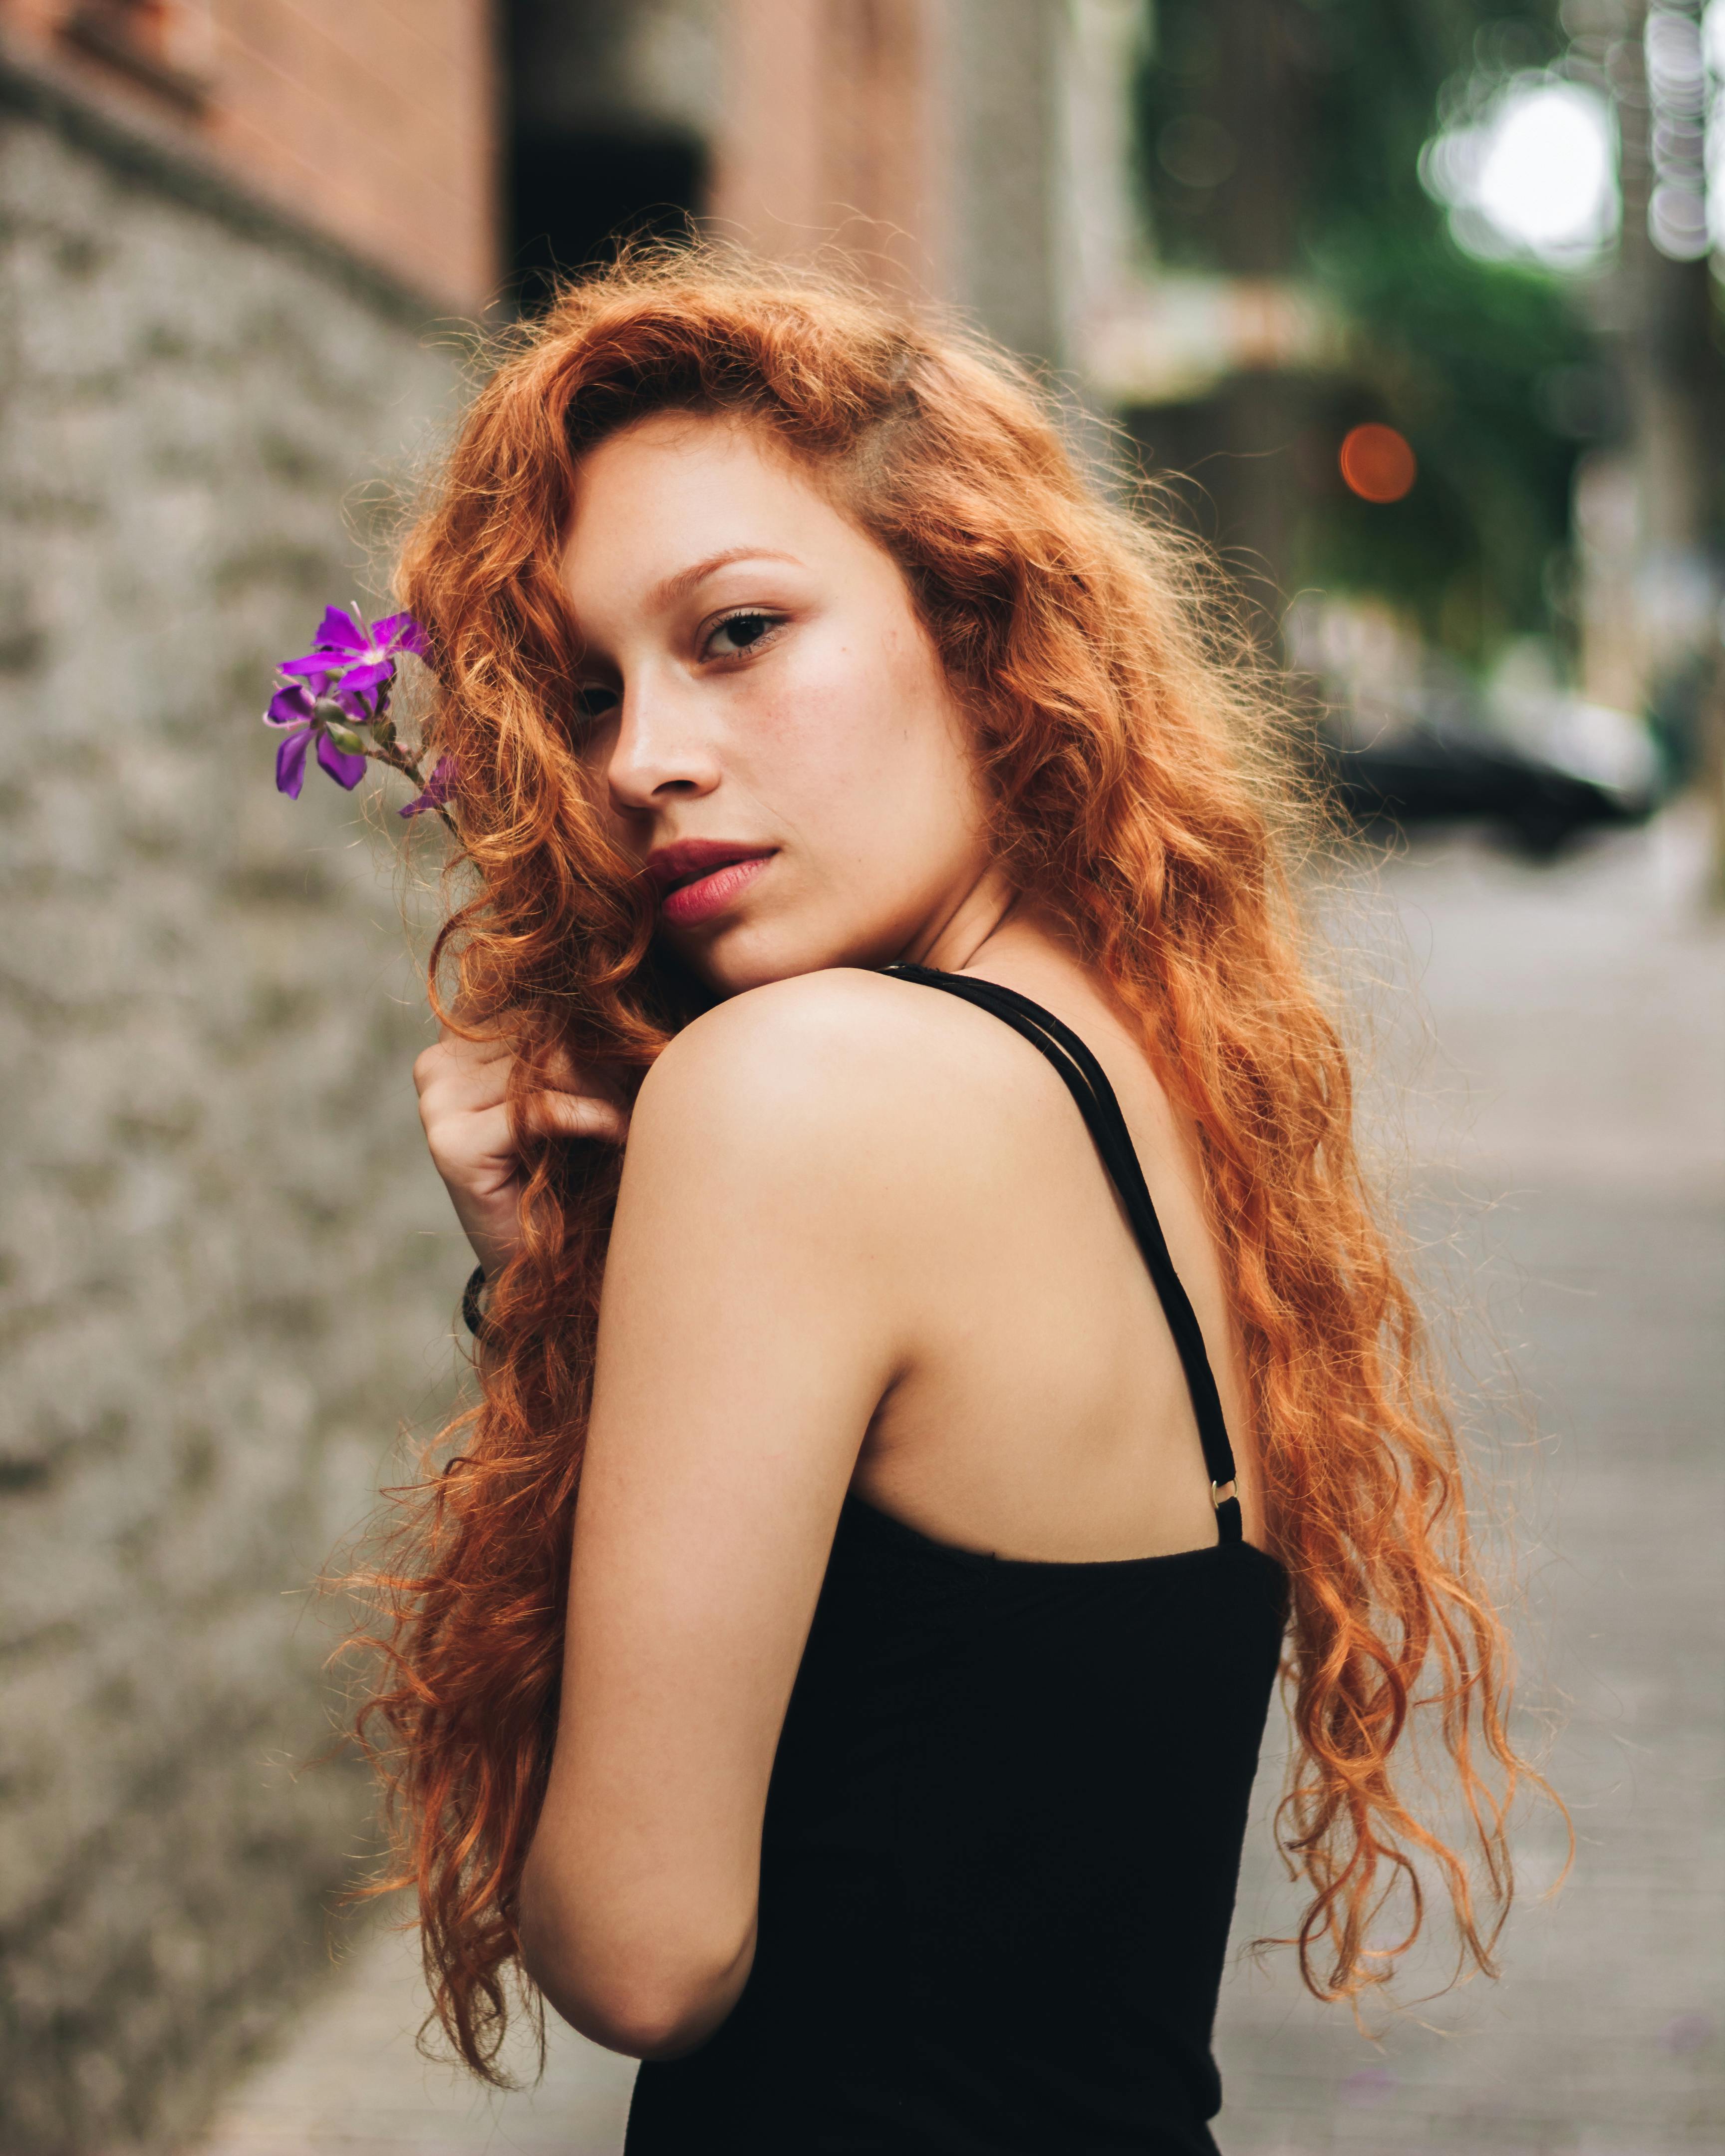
(1087, 1082)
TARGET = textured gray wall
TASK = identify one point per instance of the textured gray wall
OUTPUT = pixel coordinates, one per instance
(225, 1269)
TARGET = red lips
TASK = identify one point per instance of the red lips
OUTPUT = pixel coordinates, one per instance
(691, 858)
(699, 879)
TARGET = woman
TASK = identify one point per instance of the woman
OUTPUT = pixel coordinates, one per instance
(998, 1367)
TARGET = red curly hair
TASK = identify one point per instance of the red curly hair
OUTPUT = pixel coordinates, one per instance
(1137, 786)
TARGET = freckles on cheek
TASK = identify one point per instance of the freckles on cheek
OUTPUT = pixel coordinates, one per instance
(843, 745)
(821, 735)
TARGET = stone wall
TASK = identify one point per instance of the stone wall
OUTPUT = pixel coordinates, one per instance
(226, 1271)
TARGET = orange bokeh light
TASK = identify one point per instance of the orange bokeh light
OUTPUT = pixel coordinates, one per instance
(1377, 463)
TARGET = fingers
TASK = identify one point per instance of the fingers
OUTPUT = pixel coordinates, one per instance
(556, 1114)
(465, 1107)
(559, 1072)
(475, 1133)
(477, 1071)
(474, 1151)
(471, 1073)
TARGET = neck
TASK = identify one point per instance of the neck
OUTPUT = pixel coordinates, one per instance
(950, 941)
(991, 923)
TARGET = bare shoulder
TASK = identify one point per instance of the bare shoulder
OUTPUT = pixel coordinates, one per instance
(844, 1063)
(799, 1022)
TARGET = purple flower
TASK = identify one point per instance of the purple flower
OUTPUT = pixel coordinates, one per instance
(306, 710)
(438, 789)
(363, 657)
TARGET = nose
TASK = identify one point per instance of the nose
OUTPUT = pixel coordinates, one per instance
(663, 751)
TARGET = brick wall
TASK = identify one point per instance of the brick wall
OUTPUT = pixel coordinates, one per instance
(226, 1267)
(829, 125)
(923, 135)
(373, 119)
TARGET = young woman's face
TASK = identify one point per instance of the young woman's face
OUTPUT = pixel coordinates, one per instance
(768, 723)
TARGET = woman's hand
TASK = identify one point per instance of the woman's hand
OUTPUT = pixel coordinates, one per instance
(475, 1145)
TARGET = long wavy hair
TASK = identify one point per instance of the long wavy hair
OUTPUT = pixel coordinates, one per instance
(1139, 788)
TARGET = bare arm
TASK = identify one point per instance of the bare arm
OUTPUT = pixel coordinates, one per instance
(754, 1314)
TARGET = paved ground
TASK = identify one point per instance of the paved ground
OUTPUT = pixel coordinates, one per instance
(1579, 1089)
(1577, 1095)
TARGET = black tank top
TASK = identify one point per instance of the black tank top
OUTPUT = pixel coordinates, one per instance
(1004, 1829)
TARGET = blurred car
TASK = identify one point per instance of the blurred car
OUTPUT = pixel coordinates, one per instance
(1542, 770)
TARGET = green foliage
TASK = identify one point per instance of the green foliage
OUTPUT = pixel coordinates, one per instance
(1461, 357)
(1282, 138)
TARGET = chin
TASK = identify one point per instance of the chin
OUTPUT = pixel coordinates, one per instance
(752, 955)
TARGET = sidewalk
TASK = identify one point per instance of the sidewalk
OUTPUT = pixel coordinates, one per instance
(1580, 1013)
(1580, 1089)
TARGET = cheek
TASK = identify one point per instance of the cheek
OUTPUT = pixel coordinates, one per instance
(863, 749)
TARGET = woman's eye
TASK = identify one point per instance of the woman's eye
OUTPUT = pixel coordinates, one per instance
(739, 633)
(594, 700)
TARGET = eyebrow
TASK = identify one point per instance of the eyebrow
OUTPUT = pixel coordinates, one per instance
(666, 595)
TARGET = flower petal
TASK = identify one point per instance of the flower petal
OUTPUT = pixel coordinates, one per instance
(345, 770)
(338, 631)
(438, 789)
(368, 673)
(400, 632)
(316, 666)
(290, 706)
(290, 763)
(362, 710)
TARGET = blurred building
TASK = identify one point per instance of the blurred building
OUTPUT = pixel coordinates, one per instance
(373, 127)
(974, 153)
(942, 146)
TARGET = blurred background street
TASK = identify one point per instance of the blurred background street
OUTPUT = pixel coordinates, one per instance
(1410, 310)
(1577, 1086)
